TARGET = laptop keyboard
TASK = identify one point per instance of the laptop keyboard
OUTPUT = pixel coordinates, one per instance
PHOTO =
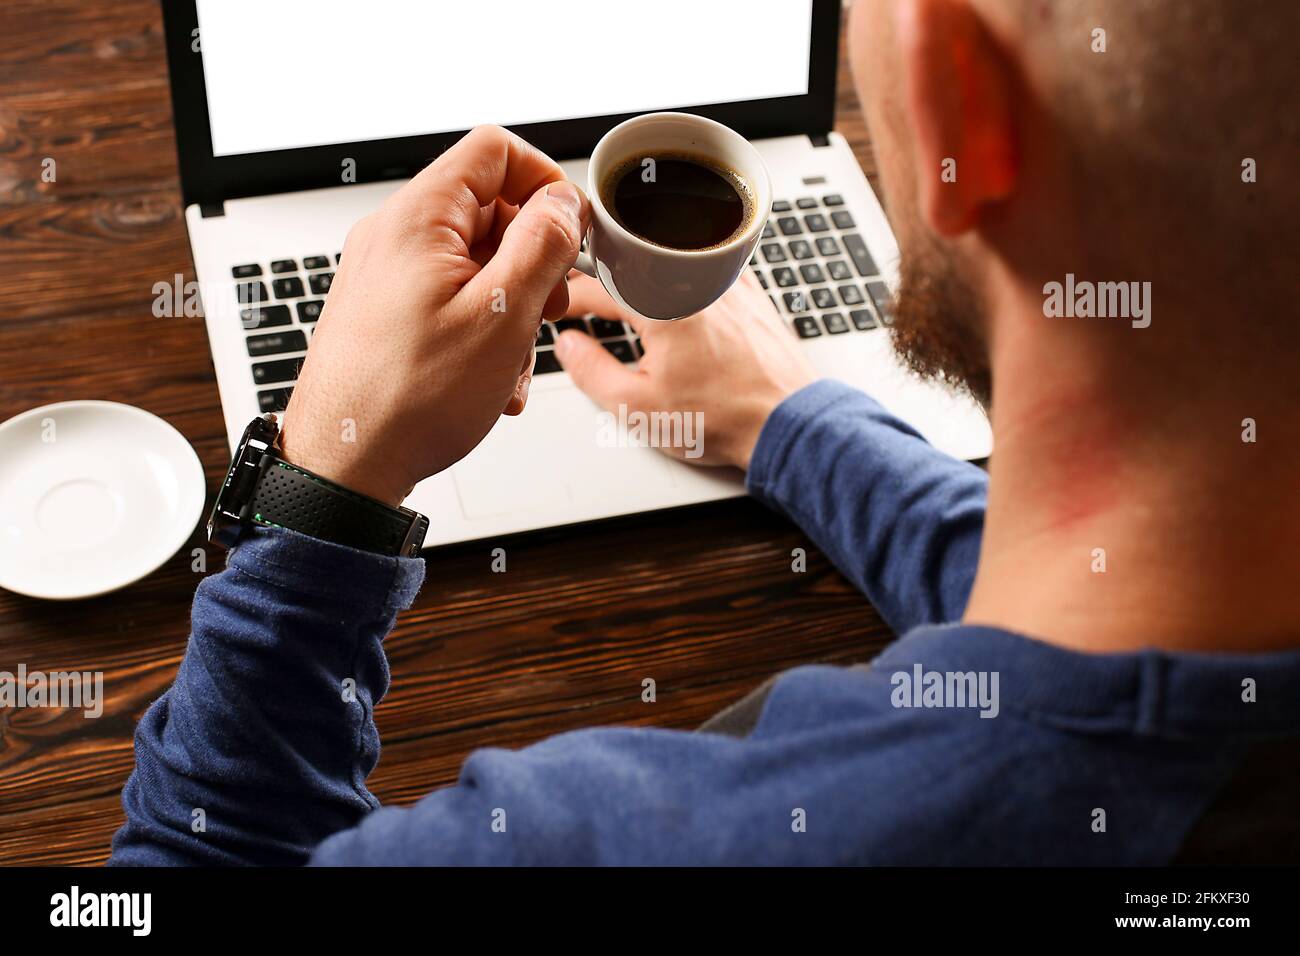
(817, 269)
(278, 319)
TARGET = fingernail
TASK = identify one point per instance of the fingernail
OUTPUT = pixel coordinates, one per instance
(562, 347)
(567, 195)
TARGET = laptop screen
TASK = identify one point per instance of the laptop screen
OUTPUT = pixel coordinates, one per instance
(302, 73)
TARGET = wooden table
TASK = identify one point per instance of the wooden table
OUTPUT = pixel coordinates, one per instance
(701, 599)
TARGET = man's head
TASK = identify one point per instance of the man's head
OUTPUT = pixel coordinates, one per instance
(1021, 142)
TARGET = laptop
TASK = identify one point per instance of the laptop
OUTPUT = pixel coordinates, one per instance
(294, 119)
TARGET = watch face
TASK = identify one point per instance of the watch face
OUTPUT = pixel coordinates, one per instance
(263, 428)
(224, 524)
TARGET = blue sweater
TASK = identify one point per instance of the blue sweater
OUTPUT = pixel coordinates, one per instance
(259, 752)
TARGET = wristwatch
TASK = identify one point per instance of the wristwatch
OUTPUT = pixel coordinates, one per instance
(264, 489)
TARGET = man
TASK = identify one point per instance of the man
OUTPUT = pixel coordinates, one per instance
(1119, 682)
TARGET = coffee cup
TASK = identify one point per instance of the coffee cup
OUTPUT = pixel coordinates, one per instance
(657, 279)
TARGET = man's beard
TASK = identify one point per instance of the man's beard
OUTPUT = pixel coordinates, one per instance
(938, 323)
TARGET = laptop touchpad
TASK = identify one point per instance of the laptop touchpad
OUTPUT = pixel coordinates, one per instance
(562, 456)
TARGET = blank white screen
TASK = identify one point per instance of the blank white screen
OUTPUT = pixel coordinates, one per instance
(288, 73)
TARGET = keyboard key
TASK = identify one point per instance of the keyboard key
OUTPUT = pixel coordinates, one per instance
(789, 226)
(812, 273)
(839, 270)
(288, 288)
(863, 319)
(247, 271)
(883, 301)
(753, 260)
(762, 279)
(251, 293)
(545, 335)
(834, 199)
(284, 265)
(773, 252)
(282, 370)
(607, 328)
(842, 219)
(316, 262)
(338, 257)
(274, 400)
(276, 343)
(816, 222)
(636, 345)
(785, 277)
(309, 311)
(823, 298)
(265, 317)
(851, 295)
(807, 327)
(320, 282)
(862, 260)
(807, 202)
(780, 206)
(835, 323)
(828, 247)
(800, 249)
(546, 363)
(564, 325)
(796, 302)
(768, 233)
(621, 349)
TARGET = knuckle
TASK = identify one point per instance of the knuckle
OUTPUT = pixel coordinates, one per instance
(360, 230)
(555, 234)
(489, 135)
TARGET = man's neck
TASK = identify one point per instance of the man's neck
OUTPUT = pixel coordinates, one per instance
(1127, 518)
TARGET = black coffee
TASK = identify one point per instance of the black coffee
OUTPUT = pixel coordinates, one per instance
(678, 201)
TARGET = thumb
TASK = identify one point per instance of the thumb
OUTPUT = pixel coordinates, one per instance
(605, 380)
(536, 252)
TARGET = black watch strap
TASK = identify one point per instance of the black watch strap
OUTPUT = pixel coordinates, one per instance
(288, 497)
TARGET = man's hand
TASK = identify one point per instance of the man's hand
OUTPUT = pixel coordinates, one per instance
(427, 336)
(734, 363)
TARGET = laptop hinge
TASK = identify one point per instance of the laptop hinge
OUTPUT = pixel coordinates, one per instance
(820, 140)
(209, 210)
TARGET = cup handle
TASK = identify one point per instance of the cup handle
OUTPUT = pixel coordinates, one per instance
(585, 264)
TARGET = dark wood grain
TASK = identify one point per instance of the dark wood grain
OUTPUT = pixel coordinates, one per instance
(706, 603)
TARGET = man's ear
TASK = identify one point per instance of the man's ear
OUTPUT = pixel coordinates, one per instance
(958, 91)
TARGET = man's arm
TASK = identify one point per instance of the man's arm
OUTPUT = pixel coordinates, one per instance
(262, 746)
(900, 519)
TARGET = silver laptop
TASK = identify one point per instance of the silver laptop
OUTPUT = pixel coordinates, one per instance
(295, 119)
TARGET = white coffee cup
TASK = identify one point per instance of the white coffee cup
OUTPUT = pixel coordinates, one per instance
(651, 280)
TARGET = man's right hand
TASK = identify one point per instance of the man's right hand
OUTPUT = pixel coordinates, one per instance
(734, 363)
(427, 337)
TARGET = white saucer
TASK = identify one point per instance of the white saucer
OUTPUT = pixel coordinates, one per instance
(93, 496)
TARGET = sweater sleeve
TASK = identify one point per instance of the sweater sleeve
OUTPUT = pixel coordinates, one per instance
(900, 519)
(261, 748)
